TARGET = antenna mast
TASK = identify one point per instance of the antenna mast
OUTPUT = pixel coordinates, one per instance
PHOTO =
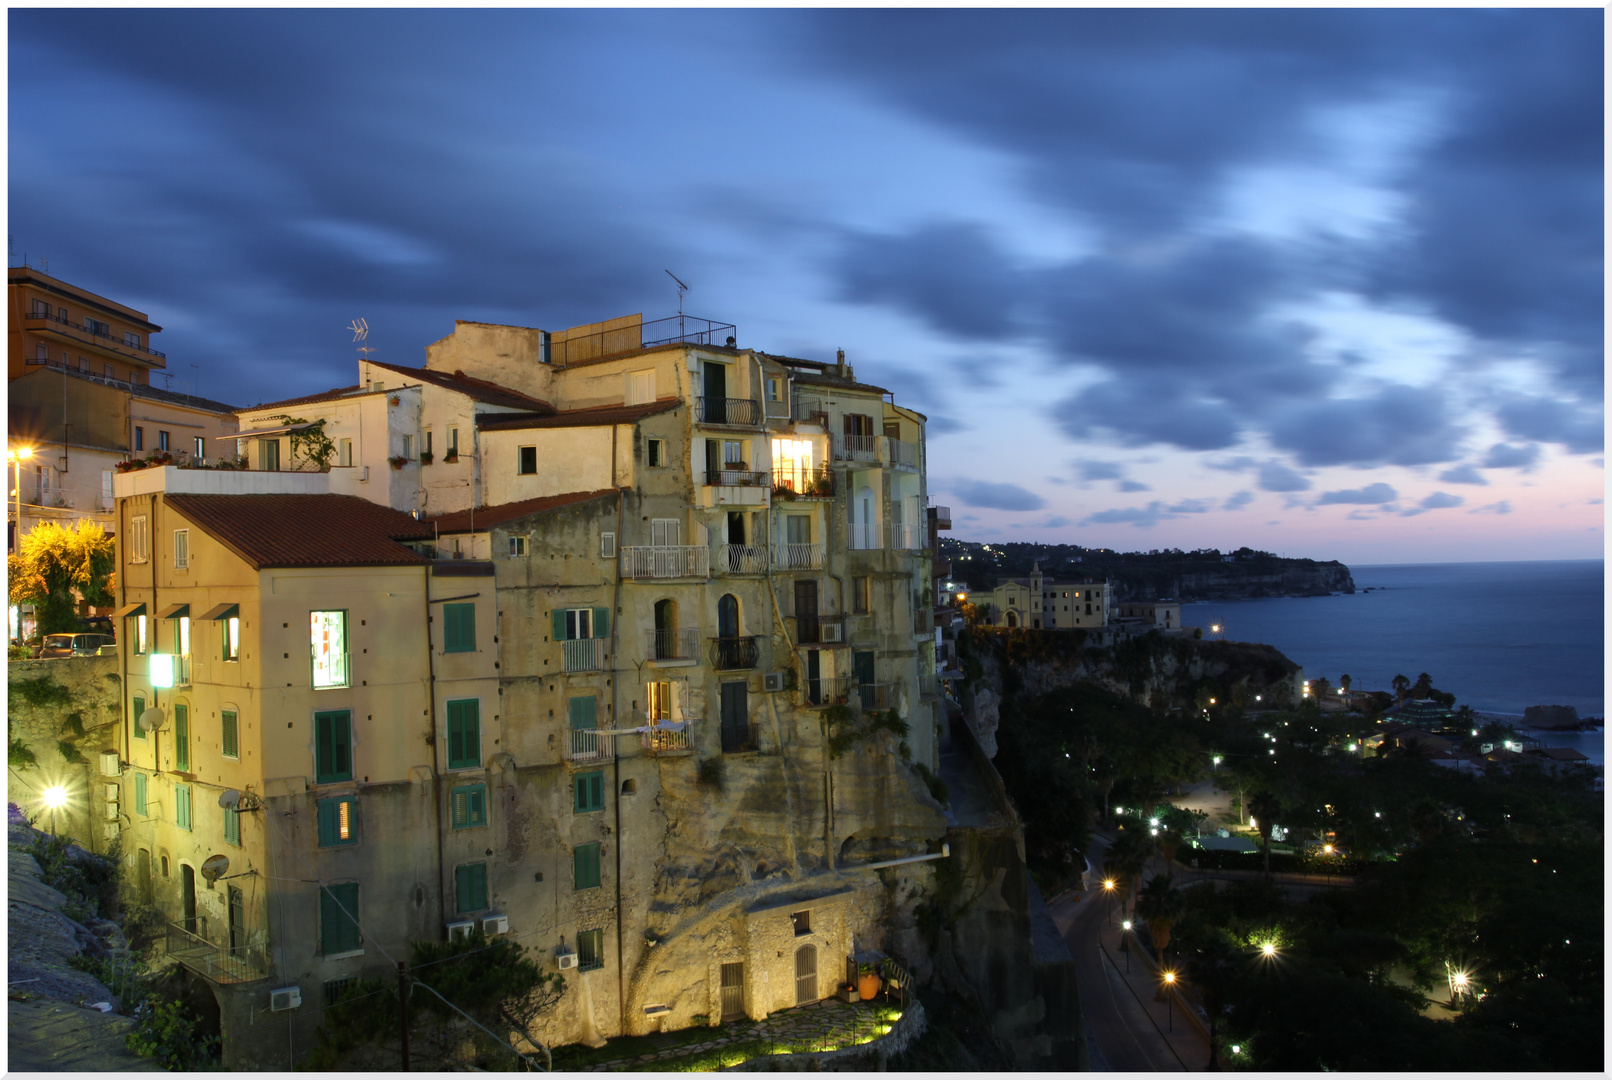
(681, 289)
(360, 330)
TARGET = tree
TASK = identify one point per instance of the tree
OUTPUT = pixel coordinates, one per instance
(1400, 685)
(1264, 808)
(1127, 858)
(55, 567)
(1423, 687)
(1161, 904)
(1212, 968)
(1345, 682)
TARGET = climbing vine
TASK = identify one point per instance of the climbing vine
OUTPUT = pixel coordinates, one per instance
(311, 443)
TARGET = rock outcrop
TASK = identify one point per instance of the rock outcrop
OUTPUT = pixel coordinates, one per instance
(1551, 717)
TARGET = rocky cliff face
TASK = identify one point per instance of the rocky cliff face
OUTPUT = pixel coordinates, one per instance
(1236, 583)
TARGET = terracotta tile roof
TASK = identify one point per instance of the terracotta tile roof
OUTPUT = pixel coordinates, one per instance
(486, 517)
(835, 381)
(312, 399)
(595, 417)
(488, 393)
(172, 398)
(305, 530)
(1558, 753)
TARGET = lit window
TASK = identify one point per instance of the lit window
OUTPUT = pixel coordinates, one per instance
(232, 638)
(338, 821)
(181, 549)
(139, 538)
(329, 632)
(201, 447)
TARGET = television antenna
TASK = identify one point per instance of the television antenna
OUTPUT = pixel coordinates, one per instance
(681, 289)
(360, 330)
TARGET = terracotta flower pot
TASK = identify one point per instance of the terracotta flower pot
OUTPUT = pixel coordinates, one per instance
(867, 986)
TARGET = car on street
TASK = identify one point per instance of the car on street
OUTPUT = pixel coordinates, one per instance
(55, 646)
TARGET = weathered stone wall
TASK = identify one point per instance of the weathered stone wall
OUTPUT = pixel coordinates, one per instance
(92, 690)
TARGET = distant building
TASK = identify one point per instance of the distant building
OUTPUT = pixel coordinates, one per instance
(1150, 614)
(1040, 604)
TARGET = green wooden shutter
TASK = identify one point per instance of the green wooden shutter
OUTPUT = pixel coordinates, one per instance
(327, 822)
(232, 827)
(182, 738)
(459, 628)
(182, 806)
(584, 713)
(470, 887)
(464, 734)
(338, 930)
(469, 806)
(139, 707)
(232, 735)
(585, 866)
(334, 747)
(140, 793)
(589, 795)
(559, 625)
(601, 622)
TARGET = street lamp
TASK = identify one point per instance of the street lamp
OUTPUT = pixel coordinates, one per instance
(15, 458)
(1268, 950)
(1108, 900)
(1125, 943)
(1165, 988)
(54, 797)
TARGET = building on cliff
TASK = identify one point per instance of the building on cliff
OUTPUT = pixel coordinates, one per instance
(1042, 604)
(564, 627)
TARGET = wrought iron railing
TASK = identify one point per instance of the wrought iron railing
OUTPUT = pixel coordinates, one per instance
(902, 455)
(737, 476)
(587, 745)
(829, 690)
(876, 695)
(798, 556)
(803, 482)
(735, 653)
(583, 654)
(729, 411)
(904, 537)
(665, 561)
(683, 644)
(217, 963)
(94, 336)
(629, 337)
(738, 738)
(856, 448)
(865, 536)
(659, 740)
(741, 559)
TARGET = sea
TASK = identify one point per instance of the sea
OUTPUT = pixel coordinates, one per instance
(1499, 636)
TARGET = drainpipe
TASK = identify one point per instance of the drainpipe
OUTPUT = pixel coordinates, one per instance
(436, 771)
(945, 852)
(615, 699)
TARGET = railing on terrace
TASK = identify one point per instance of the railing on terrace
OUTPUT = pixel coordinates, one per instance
(813, 629)
(811, 408)
(856, 448)
(729, 411)
(865, 536)
(665, 561)
(876, 695)
(734, 653)
(215, 963)
(94, 336)
(683, 644)
(829, 690)
(798, 556)
(741, 559)
(586, 745)
(928, 687)
(629, 337)
(902, 455)
(904, 537)
(803, 482)
(738, 738)
(737, 476)
(583, 654)
(660, 740)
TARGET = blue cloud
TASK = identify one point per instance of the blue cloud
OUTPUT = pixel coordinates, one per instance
(997, 496)
(1239, 500)
(1373, 493)
(1463, 473)
(1505, 456)
(1274, 476)
(1439, 500)
(1134, 485)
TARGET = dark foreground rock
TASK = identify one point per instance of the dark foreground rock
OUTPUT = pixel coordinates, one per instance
(1551, 717)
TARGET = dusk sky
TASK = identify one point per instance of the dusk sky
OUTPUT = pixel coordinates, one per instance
(1327, 283)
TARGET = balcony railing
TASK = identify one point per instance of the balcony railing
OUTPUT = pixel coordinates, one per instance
(811, 409)
(829, 690)
(666, 561)
(943, 517)
(610, 339)
(928, 687)
(216, 963)
(664, 740)
(734, 653)
(813, 629)
(905, 537)
(876, 695)
(902, 455)
(865, 536)
(740, 412)
(738, 738)
(583, 654)
(737, 476)
(79, 331)
(586, 746)
(856, 448)
(681, 644)
(803, 482)
(741, 559)
(798, 556)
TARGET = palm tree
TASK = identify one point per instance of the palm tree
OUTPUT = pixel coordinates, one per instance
(1127, 858)
(1161, 904)
(1212, 967)
(1264, 807)
(1346, 682)
(1401, 685)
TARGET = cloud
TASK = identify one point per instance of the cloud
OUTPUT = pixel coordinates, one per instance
(1544, 420)
(1058, 522)
(1463, 473)
(1148, 516)
(1191, 506)
(1501, 507)
(1134, 485)
(1398, 425)
(1100, 470)
(949, 272)
(1274, 476)
(1439, 500)
(1238, 500)
(1504, 456)
(997, 496)
(1373, 493)
(1235, 464)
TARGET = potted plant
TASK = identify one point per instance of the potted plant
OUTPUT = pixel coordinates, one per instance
(398, 462)
(450, 457)
(425, 457)
(867, 981)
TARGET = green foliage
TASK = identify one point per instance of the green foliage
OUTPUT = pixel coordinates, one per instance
(70, 753)
(311, 444)
(90, 882)
(709, 775)
(55, 567)
(18, 756)
(41, 692)
(165, 1030)
(844, 730)
(937, 787)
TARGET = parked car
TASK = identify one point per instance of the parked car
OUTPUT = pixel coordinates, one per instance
(97, 624)
(58, 645)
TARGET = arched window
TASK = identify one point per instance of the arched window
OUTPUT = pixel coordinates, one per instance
(629, 787)
(727, 616)
(1012, 620)
(805, 974)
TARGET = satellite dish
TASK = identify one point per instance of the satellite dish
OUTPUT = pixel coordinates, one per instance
(215, 867)
(153, 719)
(229, 799)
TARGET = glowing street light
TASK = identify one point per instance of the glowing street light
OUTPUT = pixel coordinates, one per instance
(15, 458)
(1108, 900)
(1164, 990)
(54, 797)
(1125, 943)
(1268, 949)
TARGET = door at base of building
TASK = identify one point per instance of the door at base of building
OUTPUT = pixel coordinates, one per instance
(805, 974)
(732, 992)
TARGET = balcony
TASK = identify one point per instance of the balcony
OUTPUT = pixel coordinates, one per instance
(802, 482)
(812, 629)
(737, 476)
(876, 695)
(908, 537)
(901, 455)
(811, 409)
(62, 329)
(667, 740)
(829, 690)
(584, 747)
(621, 336)
(729, 412)
(583, 654)
(865, 536)
(215, 963)
(681, 644)
(942, 516)
(665, 561)
(741, 559)
(739, 738)
(798, 556)
(857, 448)
(735, 653)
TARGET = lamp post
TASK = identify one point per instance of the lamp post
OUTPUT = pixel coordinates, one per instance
(15, 459)
(1125, 943)
(1167, 986)
(1108, 900)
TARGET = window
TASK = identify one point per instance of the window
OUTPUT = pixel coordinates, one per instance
(528, 461)
(585, 866)
(268, 455)
(453, 443)
(801, 921)
(655, 453)
(798, 528)
(97, 327)
(140, 634)
(40, 309)
(162, 440)
(232, 827)
(732, 454)
(575, 624)
(459, 627)
(517, 546)
(182, 738)
(861, 595)
(200, 447)
(329, 633)
(232, 638)
(42, 351)
(665, 532)
(427, 444)
(139, 538)
(140, 794)
(109, 371)
(338, 821)
(182, 637)
(182, 806)
(641, 387)
(181, 549)
(775, 390)
(344, 452)
(589, 792)
(338, 919)
(660, 701)
(333, 746)
(470, 888)
(469, 806)
(408, 446)
(590, 950)
(334, 988)
(464, 734)
(230, 743)
(607, 545)
(138, 706)
(131, 338)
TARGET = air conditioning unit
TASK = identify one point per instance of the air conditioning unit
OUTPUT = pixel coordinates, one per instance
(772, 682)
(287, 997)
(461, 929)
(113, 793)
(110, 766)
(110, 811)
(495, 924)
(566, 959)
(833, 633)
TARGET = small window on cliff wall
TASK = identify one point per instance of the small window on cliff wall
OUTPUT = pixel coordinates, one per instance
(802, 922)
